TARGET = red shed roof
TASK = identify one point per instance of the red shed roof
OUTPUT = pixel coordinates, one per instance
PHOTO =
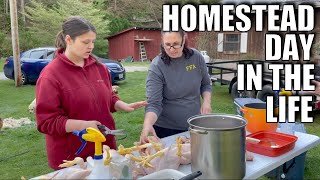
(133, 28)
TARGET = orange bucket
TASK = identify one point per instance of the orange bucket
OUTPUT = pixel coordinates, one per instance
(255, 114)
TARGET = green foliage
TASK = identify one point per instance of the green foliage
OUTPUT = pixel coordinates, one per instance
(28, 40)
(118, 24)
(193, 1)
(46, 22)
(100, 47)
(4, 19)
(5, 45)
(133, 13)
(2, 60)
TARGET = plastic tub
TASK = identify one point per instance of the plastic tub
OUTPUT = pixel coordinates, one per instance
(285, 143)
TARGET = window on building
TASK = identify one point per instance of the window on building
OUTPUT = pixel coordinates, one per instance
(231, 43)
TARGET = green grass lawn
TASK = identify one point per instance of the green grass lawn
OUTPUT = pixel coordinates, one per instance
(23, 149)
(1, 64)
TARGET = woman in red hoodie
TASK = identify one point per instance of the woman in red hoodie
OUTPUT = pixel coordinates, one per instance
(74, 92)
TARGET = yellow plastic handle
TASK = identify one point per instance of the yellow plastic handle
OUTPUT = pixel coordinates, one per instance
(94, 135)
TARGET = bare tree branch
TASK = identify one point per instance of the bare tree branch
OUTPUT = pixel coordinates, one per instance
(155, 16)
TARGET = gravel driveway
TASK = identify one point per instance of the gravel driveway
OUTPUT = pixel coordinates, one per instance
(135, 68)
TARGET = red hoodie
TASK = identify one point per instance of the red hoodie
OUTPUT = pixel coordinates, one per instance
(66, 91)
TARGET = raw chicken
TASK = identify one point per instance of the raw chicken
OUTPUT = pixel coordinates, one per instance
(78, 160)
(153, 158)
(68, 173)
(134, 161)
(182, 149)
(80, 172)
(167, 160)
(73, 173)
(119, 165)
(152, 147)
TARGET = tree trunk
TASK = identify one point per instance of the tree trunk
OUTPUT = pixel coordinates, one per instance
(22, 12)
(6, 6)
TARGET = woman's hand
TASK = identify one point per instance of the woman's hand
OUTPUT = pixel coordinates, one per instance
(78, 125)
(120, 105)
(92, 124)
(205, 108)
(137, 105)
(149, 120)
(147, 129)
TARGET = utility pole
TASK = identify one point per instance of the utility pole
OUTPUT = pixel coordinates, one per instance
(15, 42)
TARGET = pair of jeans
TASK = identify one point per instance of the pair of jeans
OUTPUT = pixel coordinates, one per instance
(164, 132)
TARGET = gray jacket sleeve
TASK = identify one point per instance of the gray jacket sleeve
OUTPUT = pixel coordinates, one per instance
(154, 89)
(206, 84)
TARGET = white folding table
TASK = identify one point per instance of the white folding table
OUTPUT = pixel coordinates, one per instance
(261, 164)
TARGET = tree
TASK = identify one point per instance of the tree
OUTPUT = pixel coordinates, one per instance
(145, 13)
(206, 40)
(45, 22)
(130, 13)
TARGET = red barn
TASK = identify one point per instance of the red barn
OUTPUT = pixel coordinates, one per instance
(140, 43)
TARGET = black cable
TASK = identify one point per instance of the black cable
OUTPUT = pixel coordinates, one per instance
(15, 155)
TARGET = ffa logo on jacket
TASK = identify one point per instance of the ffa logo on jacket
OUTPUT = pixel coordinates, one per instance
(190, 67)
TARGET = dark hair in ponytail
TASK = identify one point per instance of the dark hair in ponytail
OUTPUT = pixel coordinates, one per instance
(60, 43)
(74, 26)
(187, 52)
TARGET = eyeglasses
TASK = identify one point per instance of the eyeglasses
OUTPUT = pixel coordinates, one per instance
(177, 46)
